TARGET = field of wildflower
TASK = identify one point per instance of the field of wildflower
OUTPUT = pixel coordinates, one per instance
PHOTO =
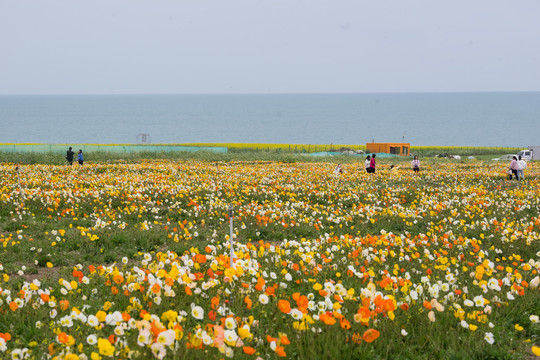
(131, 260)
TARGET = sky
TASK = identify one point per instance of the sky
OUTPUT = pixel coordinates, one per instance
(268, 46)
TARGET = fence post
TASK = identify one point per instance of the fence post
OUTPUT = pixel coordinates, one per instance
(231, 241)
(20, 187)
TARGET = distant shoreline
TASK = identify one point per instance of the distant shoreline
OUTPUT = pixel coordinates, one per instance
(289, 93)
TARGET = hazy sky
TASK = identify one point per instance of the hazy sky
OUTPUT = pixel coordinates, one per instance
(268, 46)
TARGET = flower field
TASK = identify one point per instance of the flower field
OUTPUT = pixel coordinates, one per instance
(132, 261)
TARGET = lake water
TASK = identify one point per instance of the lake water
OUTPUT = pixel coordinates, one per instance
(446, 119)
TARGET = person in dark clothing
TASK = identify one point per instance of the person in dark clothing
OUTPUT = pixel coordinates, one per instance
(80, 157)
(513, 170)
(372, 164)
(69, 156)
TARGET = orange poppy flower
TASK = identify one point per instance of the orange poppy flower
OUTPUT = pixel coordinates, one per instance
(62, 337)
(345, 324)
(64, 304)
(270, 291)
(156, 288)
(370, 335)
(118, 279)
(200, 258)
(327, 318)
(270, 339)
(337, 315)
(388, 305)
(52, 348)
(280, 351)
(385, 282)
(284, 306)
(357, 338)
(249, 302)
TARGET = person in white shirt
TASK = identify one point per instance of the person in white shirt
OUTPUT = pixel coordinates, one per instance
(415, 164)
(367, 162)
(522, 164)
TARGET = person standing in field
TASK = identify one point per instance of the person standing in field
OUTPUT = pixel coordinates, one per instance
(367, 163)
(415, 164)
(80, 157)
(372, 164)
(69, 156)
(522, 164)
(338, 170)
(513, 170)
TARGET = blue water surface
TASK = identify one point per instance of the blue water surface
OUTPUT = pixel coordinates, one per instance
(439, 119)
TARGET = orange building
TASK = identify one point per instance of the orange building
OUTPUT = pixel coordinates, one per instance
(403, 149)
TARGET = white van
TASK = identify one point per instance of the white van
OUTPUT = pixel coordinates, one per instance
(532, 153)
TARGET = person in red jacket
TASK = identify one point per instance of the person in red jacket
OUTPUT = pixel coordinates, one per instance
(372, 164)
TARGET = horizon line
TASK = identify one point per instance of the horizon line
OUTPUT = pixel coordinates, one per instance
(281, 93)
